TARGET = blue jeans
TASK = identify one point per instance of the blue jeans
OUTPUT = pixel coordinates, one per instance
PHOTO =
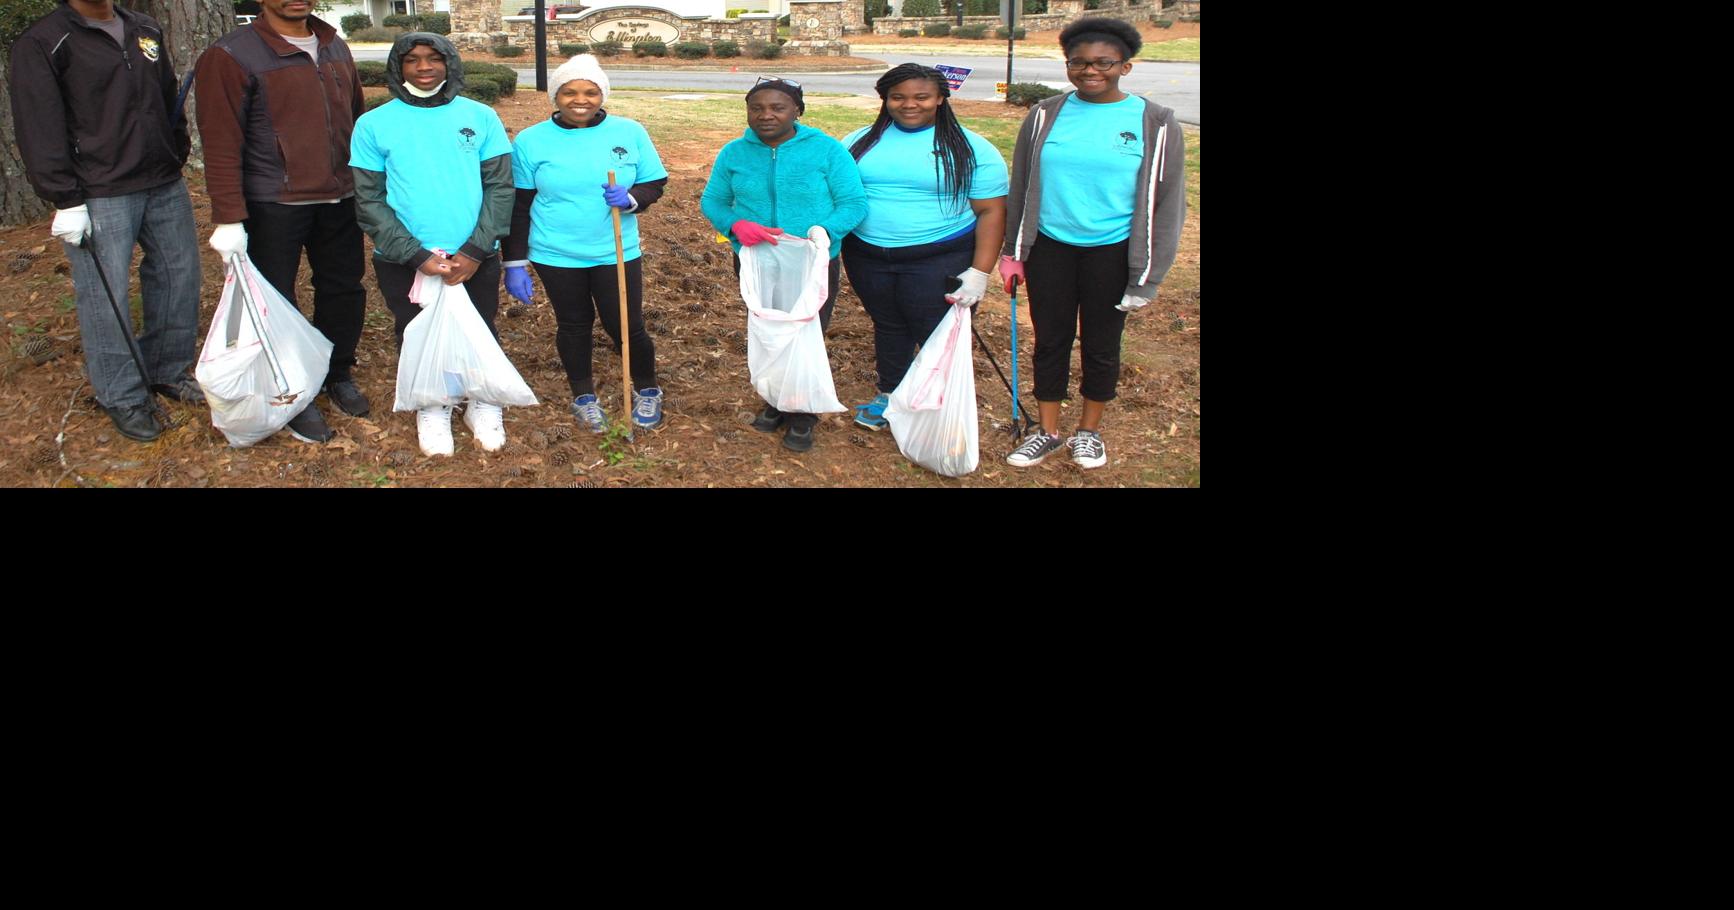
(903, 290)
(161, 221)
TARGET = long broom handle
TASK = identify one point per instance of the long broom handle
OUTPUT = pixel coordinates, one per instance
(625, 333)
(1014, 346)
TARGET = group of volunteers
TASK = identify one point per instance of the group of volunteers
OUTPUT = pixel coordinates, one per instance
(918, 209)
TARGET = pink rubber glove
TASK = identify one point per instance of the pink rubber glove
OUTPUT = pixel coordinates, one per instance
(749, 233)
(1009, 268)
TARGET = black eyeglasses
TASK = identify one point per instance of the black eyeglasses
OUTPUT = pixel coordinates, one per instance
(764, 79)
(1101, 66)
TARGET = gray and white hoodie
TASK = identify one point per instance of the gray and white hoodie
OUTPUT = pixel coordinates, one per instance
(1157, 213)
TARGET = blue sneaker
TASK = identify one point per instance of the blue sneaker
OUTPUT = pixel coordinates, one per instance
(872, 414)
(647, 408)
(589, 414)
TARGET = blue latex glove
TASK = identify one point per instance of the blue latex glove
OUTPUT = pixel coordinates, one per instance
(618, 196)
(518, 283)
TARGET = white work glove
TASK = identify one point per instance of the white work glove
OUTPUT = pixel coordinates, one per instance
(974, 285)
(229, 239)
(1129, 303)
(72, 225)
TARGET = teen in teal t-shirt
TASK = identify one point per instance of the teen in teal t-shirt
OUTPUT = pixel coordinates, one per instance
(562, 223)
(431, 157)
(936, 203)
(1094, 152)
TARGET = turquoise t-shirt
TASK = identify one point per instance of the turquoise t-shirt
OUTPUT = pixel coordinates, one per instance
(432, 158)
(1090, 171)
(906, 204)
(570, 224)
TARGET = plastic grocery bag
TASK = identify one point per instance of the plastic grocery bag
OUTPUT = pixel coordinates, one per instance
(449, 355)
(932, 411)
(784, 287)
(263, 362)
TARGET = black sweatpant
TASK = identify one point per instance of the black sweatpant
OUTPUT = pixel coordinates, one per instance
(834, 274)
(276, 234)
(1073, 293)
(395, 280)
(579, 296)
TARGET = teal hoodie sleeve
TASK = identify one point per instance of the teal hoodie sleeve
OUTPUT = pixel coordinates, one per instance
(718, 200)
(848, 196)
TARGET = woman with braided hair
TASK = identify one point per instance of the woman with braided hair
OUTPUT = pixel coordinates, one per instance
(936, 203)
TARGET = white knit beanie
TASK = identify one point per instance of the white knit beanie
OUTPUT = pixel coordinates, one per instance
(583, 66)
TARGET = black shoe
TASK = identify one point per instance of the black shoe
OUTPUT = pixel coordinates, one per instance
(768, 420)
(348, 398)
(135, 422)
(184, 389)
(798, 437)
(309, 425)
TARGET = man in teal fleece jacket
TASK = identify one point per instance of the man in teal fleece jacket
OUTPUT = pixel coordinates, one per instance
(783, 177)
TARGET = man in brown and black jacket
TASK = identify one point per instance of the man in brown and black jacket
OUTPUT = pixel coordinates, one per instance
(277, 101)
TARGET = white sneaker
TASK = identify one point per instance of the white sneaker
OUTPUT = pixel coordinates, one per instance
(1088, 450)
(434, 427)
(487, 422)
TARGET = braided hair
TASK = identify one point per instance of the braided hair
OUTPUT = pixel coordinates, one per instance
(953, 159)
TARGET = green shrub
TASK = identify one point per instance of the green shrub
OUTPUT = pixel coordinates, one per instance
(734, 13)
(908, 32)
(650, 49)
(508, 50)
(487, 91)
(438, 23)
(726, 49)
(500, 74)
(784, 21)
(915, 8)
(970, 32)
(1002, 34)
(936, 29)
(370, 72)
(877, 9)
(1092, 4)
(1163, 23)
(1035, 6)
(573, 50)
(1024, 94)
(762, 50)
(355, 22)
(376, 101)
(691, 50)
(375, 35)
(981, 8)
(607, 48)
(399, 20)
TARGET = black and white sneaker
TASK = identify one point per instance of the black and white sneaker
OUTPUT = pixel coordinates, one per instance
(1087, 449)
(1035, 448)
(310, 426)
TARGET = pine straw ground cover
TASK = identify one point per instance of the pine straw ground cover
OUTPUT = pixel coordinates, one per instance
(694, 312)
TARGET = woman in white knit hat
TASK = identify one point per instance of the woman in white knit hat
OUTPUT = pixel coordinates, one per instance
(562, 224)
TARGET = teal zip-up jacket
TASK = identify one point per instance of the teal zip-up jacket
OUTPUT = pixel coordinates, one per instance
(809, 179)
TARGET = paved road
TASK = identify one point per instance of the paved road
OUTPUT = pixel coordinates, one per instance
(1173, 84)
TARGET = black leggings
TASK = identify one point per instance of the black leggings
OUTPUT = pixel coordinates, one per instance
(581, 295)
(1074, 291)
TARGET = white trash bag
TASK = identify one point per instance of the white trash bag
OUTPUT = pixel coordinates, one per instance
(263, 362)
(784, 287)
(449, 355)
(932, 411)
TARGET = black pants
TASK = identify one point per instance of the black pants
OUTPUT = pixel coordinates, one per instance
(834, 274)
(276, 235)
(903, 290)
(395, 280)
(1073, 293)
(581, 295)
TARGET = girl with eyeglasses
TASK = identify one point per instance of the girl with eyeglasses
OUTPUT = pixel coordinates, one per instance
(935, 220)
(1093, 223)
(783, 177)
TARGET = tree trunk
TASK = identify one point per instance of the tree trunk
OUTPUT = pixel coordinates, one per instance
(189, 26)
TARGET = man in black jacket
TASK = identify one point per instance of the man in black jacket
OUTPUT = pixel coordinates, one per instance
(93, 101)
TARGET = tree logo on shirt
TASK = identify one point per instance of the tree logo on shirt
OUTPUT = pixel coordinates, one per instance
(1128, 138)
(466, 139)
(619, 154)
(149, 47)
